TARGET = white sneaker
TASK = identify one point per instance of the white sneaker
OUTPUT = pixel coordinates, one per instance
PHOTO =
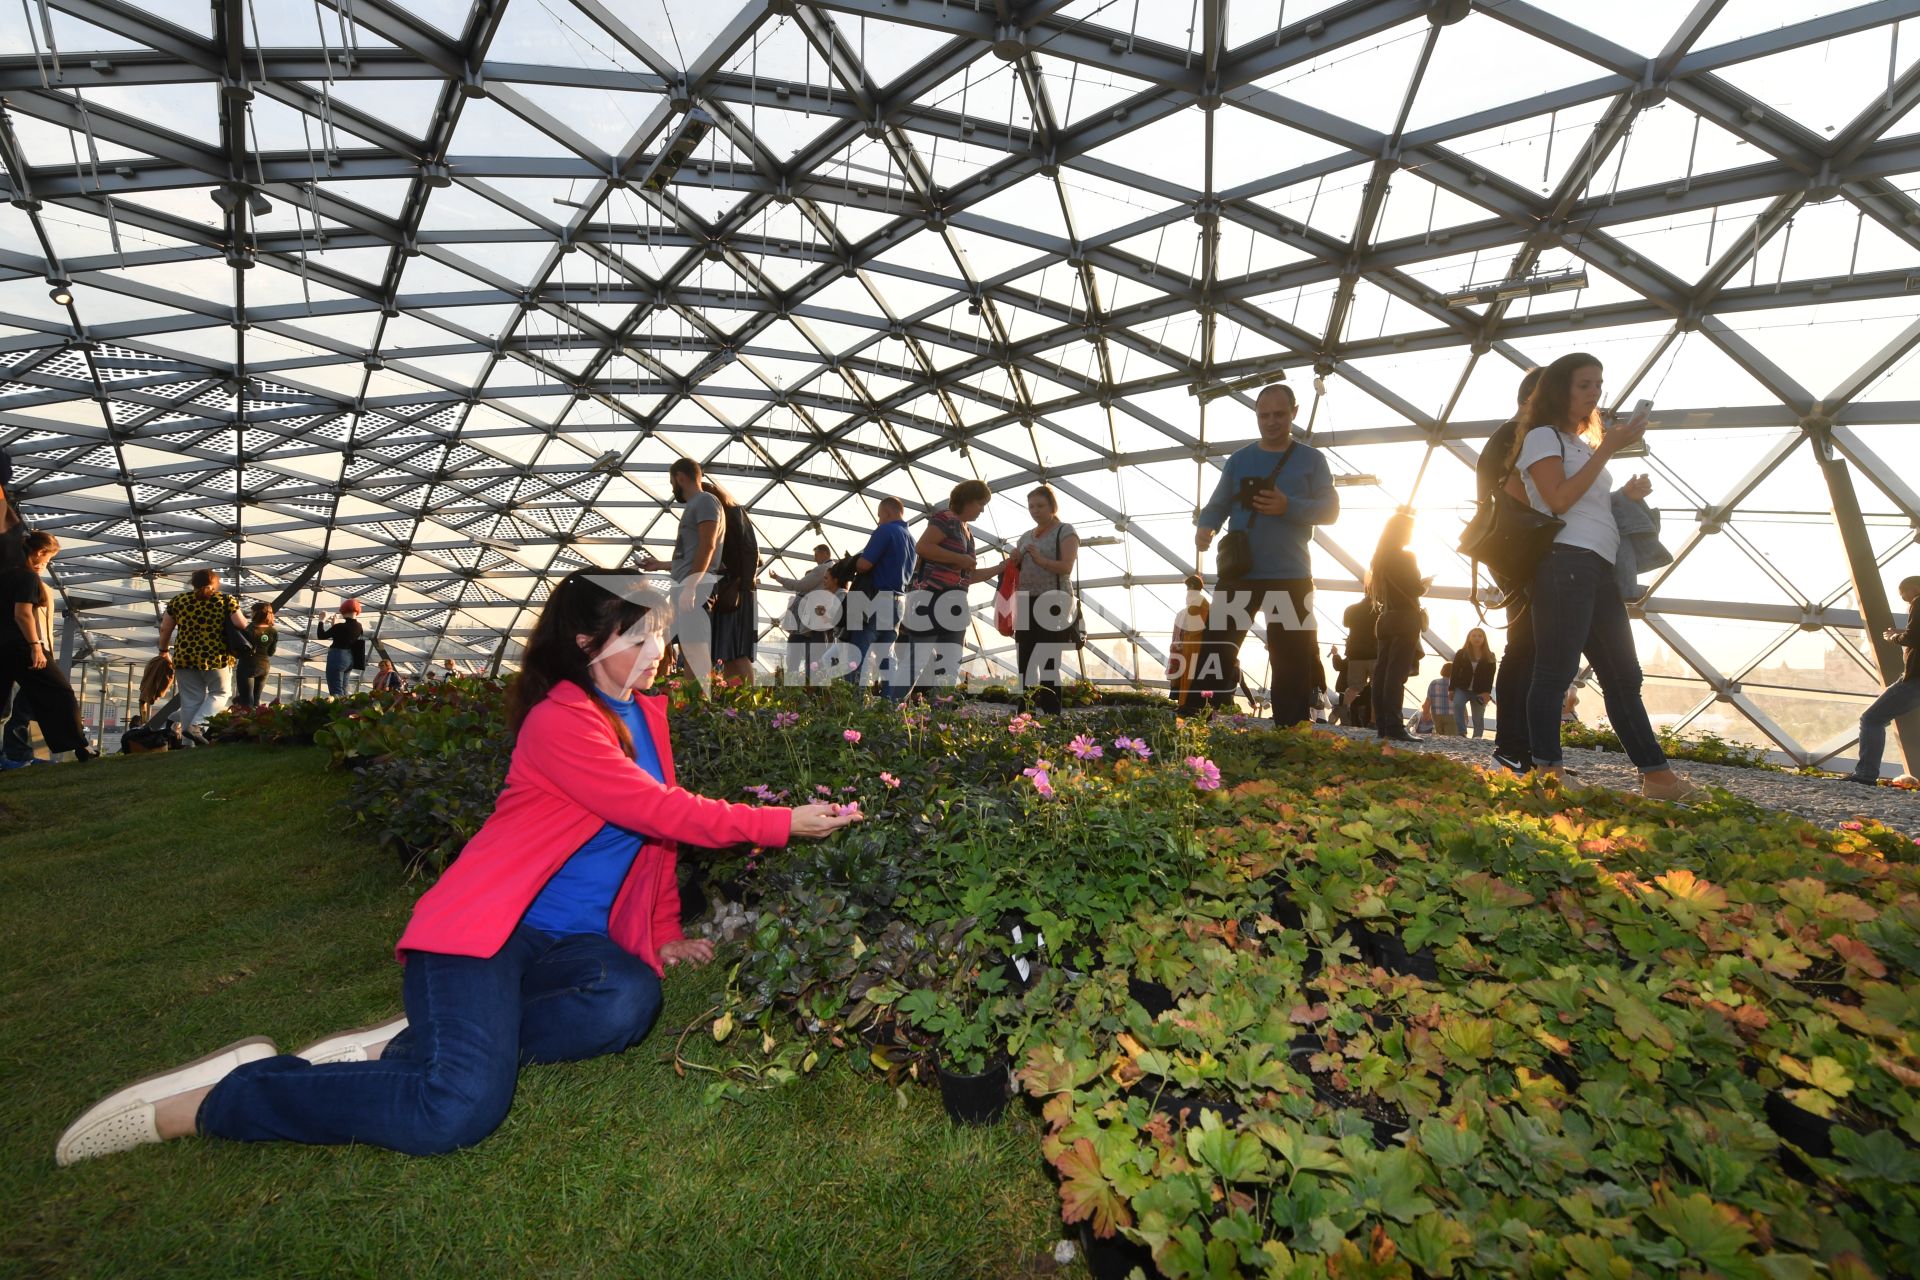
(124, 1120)
(351, 1046)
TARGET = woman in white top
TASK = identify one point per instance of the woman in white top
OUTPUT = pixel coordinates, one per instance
(1044, 611)
(1561, 453)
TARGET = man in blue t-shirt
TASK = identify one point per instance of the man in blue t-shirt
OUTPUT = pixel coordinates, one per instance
(873, 602)
(1275, 490)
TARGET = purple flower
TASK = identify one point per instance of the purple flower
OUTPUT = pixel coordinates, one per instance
(1085, 748)
(732, 714)
(1138, 746)
(785, 719)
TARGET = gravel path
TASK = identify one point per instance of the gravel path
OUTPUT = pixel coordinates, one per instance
(1827, 801)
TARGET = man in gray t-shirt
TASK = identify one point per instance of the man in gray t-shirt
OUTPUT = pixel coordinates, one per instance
(703, 527)
(695, 565)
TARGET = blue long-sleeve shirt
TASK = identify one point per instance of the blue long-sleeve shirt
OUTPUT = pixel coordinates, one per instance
(1279, 542)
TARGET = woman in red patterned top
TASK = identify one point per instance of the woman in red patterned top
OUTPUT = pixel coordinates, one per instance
(936, 612)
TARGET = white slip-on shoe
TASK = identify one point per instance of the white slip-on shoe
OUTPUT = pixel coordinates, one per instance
(351, 1046)
(124, 1120)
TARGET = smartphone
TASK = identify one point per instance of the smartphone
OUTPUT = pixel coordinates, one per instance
(1638, 449)
(1251, 485)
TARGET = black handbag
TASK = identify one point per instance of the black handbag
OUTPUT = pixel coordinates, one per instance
(237, 641)
(1510, 538)
(1234, 560)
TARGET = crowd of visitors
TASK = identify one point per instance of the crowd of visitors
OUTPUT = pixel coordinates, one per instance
(895, 615)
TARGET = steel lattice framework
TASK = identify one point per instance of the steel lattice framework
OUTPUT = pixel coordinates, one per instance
(417, 303)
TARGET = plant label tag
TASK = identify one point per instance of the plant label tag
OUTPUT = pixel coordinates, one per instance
(1016, 933)
(1024, 969)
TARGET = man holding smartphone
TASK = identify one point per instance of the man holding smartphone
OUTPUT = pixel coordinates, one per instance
(1269, 497)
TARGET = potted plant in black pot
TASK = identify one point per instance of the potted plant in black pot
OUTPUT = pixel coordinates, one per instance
(967, 1016)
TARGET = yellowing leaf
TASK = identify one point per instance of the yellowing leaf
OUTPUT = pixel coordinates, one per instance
(859, 948)
(1689, 897)
(1085, 1192)
(723, 1026)
(1858, 955)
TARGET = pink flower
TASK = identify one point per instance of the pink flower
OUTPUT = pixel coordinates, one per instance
(1085, 748)
(732, 714)
(840, 810)
(822, 790)
(1206, 774)
(1020, 724)
(785, 719)
(1138, 746)
(1041, 782)
(851, 735)
(892, 782)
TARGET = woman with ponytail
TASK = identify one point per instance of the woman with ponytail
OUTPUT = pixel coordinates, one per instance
(545, 940)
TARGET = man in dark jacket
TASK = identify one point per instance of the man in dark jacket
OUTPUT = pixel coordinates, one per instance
(1511, 750)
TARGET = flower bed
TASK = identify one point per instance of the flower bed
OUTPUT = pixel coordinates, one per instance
(1293, 1005)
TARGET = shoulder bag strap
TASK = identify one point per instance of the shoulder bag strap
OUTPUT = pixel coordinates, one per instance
(1273, 474)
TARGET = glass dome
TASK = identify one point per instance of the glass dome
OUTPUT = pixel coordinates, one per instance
(416, 303)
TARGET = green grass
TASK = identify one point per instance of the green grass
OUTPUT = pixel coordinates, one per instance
(153, 908)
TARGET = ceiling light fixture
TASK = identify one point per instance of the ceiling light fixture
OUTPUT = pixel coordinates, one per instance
(61, 291)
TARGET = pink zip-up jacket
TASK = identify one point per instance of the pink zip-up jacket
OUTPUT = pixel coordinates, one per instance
(568, 776)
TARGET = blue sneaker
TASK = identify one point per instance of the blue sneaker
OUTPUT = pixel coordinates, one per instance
(16, 764)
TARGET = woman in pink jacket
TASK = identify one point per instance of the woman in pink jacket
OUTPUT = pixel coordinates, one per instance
(545, 941)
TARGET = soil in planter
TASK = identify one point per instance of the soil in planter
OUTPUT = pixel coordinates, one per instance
(1155, 997)
(975, 1099)
(1184, 1108)
(1114, 1257)
(1387, 950)
(1388, 1120)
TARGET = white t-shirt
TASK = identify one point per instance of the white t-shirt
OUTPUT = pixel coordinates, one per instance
(1589, 522)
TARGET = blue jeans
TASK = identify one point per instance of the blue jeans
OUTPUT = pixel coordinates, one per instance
(339, 670)
(1576, 608)
(1898, 698)
(1512, 681)
(447, 1080)
(932, 634)
(871, 629)
(1464, 702)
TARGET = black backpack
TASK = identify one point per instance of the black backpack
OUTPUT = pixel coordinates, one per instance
(739, 560)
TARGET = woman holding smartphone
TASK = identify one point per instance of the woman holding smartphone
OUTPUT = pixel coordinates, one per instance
(1561, 453)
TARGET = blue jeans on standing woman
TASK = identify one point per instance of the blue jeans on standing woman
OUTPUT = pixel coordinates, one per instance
(1398, 633)
(447, 1080)
(1897, 700)
(1577, 609)
(339, 670)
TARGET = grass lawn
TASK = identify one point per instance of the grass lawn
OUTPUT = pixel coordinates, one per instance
(153, 908)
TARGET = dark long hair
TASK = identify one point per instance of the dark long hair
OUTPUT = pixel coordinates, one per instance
(1551, 401)
(579, 606)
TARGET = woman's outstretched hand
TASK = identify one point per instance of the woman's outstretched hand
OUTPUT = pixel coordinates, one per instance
(693, 951)
(812, 821)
